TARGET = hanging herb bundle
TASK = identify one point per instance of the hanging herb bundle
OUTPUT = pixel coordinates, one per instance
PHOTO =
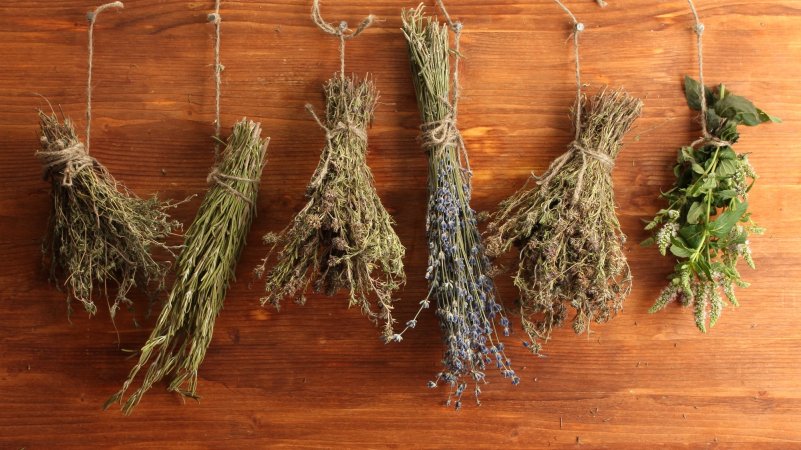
(458, 270)
(706, 224)
(178, 343)
(343, 238)
(564, 223)
(99, 232)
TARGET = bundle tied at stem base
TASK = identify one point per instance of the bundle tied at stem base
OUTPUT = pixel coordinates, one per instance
(458, 271)
(343, 238)
(207, 262)
(99, 232)
(565, 228)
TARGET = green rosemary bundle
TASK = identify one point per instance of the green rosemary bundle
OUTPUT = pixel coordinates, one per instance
(343, 238)
(458, 270)
(706, 224)
(99, 232)
(565, 227)
(205, 266)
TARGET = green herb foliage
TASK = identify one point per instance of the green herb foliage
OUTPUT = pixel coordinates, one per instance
(706, 224)
(343, 238)
(99, 232)
(565, 227)
(205, 266)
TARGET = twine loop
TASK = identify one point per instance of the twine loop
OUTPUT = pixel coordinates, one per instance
(68, 162)
(440, 133)
(340, 31)
(217, 178)
(340, 128)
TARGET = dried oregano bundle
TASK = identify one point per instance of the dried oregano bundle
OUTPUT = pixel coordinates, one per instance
(205, 266)
(99, 232)
(343, 238)
(706, 223)
(565, 227)
(458, 270)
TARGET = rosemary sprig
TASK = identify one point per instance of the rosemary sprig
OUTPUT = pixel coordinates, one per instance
(99, 232)
(458, 270)
(565, 227)
(706, 224)
(343, 238)
(178, 343)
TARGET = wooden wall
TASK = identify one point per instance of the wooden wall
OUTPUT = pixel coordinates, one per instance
(317, 375)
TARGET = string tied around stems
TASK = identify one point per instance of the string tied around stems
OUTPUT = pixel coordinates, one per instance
(216, 177)
(341, 31)
(575, 146)
(706, 137)
(340, 128)
(67, 161)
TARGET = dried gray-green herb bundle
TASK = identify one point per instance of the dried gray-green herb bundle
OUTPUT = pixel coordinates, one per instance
(99, 232)
(565, 227)
(458, 270)
(343, 238)
(205, 266)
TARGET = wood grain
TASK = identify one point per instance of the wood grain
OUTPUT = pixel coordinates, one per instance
(318, 376)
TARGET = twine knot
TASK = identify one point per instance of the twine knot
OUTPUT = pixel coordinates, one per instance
(342, 127)
(699, 29)
(214, 18)
(579, 27)
(67, 161)
(440, 133)
(603, 158)
(217, 178)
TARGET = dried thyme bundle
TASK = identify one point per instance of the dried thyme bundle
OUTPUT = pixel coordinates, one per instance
(458, 270)
(564, 223)
(99, 232)
(706, 224)
(343, 238)
(205, 266)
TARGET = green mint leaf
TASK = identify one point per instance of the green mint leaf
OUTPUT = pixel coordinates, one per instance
(692, 90)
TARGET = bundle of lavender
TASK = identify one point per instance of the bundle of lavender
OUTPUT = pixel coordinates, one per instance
(565, 228)
(99, 232)
(177, 345)
(458, 270)
(343, 238)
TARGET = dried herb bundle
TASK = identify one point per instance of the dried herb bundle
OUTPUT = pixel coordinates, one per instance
(99, 232)
(458, 270)
(565, 227)
(343, 238)
(205, 266)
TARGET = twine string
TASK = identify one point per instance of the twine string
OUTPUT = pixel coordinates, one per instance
(223, 180)
(341, 31)
(216, 19)
(68, 161)
(340, 128)
(91, 16)
(706, 138)
(445, 132)
(587, 154)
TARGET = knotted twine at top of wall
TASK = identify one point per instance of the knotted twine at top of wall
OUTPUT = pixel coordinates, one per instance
(576, 146)
(216, 177)
(707, 138)
(72, 159)
(344, 33)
